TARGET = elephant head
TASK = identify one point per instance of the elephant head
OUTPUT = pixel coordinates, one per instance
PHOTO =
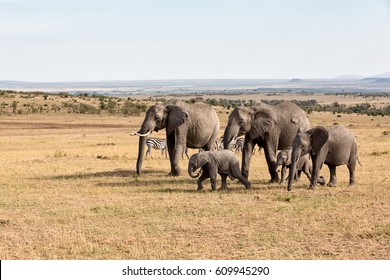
(283, 158)
(311, 142)
(197, 161)
(255, 121)
(158, 117)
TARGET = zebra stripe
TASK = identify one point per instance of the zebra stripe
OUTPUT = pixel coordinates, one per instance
(238, 145)
(157, 144)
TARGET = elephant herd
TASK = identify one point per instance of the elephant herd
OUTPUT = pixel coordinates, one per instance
(283, 127)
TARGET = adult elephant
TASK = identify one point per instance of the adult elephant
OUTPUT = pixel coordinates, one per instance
(187, 125)
(334, 146)
(270, 127)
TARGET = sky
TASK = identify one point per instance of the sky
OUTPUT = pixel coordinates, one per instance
(98, 40)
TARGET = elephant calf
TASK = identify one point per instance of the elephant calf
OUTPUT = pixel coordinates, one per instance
(223, 162)
(334, 146)
(284, 159)
(304, 164)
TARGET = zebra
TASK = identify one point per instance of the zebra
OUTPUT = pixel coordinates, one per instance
(218, 145)
(185, 151)
(238, 145)
(156, 143)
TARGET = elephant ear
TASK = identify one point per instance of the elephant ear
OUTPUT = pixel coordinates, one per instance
(176, 117)
(264, 120)
(288, 157)
(202, 159)
(319, 136)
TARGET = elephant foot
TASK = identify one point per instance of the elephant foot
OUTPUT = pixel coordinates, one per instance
(200, 188)
(312, 188)
(223, 188)
(174, 173)
(332, 184)
(321, 180)
(274, 180)
(352, 184)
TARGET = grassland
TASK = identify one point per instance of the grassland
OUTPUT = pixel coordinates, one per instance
(68, 190)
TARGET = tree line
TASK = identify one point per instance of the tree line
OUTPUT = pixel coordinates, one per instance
(98, 104)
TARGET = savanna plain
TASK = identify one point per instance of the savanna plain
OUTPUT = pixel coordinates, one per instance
(68, 190)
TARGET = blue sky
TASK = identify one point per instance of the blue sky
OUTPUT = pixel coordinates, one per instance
(93, 40)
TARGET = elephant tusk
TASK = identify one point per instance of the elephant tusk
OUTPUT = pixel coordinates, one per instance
(133, 133)
(195, 175)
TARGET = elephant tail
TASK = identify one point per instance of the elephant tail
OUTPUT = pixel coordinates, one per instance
(359, 162)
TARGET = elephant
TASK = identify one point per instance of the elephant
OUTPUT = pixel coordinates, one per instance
(223, 162)
(304, 164)
(334, 145)
(271, 127)
(284, 159)
(187, 125)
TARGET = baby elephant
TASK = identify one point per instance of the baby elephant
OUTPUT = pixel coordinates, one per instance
(223, 162)
(284, 159)
(304, 164)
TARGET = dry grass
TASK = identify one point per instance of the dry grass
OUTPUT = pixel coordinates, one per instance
(69, 191)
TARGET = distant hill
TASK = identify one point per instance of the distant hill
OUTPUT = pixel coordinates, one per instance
(349, 77)
(296, 81)
(383, 75)
(382, 80)
(195, 86)
(377, 80)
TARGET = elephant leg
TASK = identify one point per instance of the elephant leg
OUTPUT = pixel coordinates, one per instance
(317, 165)
(244, 181)
(351, 168)
(224, 183)
(299, 172)
(270, 157)
(148, 152)
(213, 181)
(333, 180)
(235, 172)
(246, 157)
(180, 143)
(171, 153)
(283, 174)
(203, 176)
(297, 175)
(306, 170)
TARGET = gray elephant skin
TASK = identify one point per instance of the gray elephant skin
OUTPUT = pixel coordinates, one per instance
(223, 162)
(270, 127)
(334, 146)
(187, 125)
(303, 164)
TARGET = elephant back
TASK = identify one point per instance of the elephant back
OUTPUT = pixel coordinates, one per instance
(202, 125)
(341, 144)
(291, 118)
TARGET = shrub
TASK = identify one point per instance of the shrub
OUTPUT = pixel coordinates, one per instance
(130, 108)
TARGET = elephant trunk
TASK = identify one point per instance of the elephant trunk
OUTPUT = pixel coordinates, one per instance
(142, 133)
(295, 154)
(191, 170)
(230, 133)
(141, 152)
